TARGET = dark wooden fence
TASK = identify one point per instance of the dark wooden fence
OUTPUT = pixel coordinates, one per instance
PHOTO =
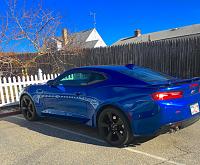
(177, 57)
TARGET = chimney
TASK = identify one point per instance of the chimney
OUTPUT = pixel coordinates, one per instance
(137, 33)
(65, 36)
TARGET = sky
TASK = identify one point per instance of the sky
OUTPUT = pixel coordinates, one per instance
(117, 19)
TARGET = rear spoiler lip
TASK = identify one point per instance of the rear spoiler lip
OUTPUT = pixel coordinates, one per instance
(170, 83)
(196, 79)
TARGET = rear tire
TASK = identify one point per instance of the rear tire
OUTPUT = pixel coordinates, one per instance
(28, 109)
(114, 127)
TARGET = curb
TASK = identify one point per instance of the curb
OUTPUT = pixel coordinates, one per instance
(9, 112)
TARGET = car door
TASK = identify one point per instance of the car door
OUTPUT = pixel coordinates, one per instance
(65, 98)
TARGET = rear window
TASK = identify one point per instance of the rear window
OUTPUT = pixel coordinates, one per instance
(146, 75)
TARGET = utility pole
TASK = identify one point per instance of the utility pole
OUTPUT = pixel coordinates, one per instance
(93, 14)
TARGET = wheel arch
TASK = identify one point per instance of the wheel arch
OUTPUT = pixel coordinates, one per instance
(111, 106)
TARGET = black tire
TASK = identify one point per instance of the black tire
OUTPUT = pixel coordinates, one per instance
(114, 127)
(28, 109)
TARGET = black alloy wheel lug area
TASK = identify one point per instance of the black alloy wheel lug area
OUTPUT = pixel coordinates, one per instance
(113, 127)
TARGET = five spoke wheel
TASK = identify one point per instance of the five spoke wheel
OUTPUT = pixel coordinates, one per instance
(114, 127)
(27, 108)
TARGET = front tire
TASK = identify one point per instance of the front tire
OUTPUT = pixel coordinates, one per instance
(28, 109)
(114, 127)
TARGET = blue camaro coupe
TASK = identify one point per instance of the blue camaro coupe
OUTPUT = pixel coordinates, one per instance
(123, 102)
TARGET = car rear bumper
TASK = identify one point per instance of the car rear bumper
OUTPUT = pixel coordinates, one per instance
(153, 127)
(167, 119)
(177, 125)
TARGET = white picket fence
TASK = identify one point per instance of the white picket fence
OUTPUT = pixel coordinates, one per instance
(10, 87)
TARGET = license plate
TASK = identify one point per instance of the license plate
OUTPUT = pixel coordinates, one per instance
(194, 108)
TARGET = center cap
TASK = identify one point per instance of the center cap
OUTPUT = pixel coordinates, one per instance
(114, 127)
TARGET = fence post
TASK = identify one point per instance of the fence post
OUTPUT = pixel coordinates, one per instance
(40, 76)
(2, 92)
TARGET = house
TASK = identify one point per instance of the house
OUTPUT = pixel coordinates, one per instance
(138, 37)
(83, 39)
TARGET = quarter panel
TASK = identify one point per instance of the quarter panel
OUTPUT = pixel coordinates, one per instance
(135, 102)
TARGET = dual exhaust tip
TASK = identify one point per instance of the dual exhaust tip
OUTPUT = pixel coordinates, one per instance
(174, 127)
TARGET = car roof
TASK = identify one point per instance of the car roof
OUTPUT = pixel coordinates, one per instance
(107, 67)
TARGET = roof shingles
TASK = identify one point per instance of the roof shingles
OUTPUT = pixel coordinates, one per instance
(79, 39)
(161, 35)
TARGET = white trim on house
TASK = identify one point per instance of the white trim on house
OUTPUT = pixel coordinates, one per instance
(94, 36)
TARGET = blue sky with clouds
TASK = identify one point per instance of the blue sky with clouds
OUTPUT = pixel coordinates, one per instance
(119, 18)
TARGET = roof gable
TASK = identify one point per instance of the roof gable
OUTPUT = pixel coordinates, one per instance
(84, 39)
(82, 35)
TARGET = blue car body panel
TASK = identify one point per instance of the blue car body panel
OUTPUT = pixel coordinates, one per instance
(131, 96)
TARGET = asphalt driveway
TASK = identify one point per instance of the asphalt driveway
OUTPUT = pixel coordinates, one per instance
(53, 142)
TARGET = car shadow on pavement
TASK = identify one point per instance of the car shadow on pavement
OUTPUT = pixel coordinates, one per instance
(140, 140)
(67, 130)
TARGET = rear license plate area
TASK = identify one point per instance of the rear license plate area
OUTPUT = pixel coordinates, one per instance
(194, 108)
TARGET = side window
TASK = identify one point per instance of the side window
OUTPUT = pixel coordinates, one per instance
(77, 78)
(81, 78)
(96, 77)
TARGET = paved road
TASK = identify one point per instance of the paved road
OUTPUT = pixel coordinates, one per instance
(61, 142)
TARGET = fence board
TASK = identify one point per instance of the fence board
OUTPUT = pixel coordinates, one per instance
(178, 57)
(11, 87)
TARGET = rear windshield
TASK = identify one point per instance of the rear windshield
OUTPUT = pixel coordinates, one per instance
(146, 75)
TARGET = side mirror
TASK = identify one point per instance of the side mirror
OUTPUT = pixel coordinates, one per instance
(51, 83)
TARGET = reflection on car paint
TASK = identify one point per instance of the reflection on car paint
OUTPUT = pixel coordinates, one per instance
(92, 101)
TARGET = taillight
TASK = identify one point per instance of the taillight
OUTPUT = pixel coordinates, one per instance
(194, 85)
(167, 95)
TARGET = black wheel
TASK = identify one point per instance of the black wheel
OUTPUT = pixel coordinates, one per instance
(114, 127)
(28, 109)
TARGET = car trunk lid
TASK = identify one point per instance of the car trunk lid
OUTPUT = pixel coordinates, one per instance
(189, 87)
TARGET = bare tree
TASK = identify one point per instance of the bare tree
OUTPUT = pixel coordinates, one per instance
(33, 26)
